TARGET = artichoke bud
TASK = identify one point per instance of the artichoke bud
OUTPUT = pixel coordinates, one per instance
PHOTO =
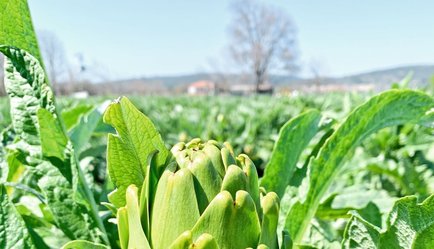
(207, 198)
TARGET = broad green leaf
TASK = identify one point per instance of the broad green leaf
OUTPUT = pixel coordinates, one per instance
(83, 244)
(175, 207)
(43, 142)
(294, 136)
(53, 140)
(27, 87)
(410, 225)
(13, 231)
(73, 218)
(370, 212)
(127, 151)
(390, 108)
(233, 222)
(59, 182)
(72, 116)
(82, 132)
(16, 27)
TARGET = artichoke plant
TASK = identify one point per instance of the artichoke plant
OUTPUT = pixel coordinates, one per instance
(204, 198)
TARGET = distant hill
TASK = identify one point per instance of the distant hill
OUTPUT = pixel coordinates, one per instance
(420, 75)
(379, 78)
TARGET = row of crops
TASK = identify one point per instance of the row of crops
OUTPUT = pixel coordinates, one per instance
(311, 171)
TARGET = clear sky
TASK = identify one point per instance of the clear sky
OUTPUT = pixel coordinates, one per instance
(134, 38)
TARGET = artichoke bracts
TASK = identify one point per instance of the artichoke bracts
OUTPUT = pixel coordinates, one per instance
(205, 198)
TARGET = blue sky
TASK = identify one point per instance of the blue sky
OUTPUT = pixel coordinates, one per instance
(134, 38)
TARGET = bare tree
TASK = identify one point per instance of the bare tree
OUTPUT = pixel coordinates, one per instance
(262, 39)
(53, 55)
(318, 71)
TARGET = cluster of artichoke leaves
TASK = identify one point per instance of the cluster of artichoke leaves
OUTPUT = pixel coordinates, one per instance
(205, 198)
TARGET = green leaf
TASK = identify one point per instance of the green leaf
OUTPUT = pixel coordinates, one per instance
(410, 225)
(123, 230)
(59, 182)
(233, 223)
(83, 244)
(147, 194)
(16, 27)
(390, 108)
(53, 140)
(127, 151)
(13, 231)
(72, 116)
(270, 206)
(26, 85)
(73, 218)
(136, 236)
(82, 132)
(294, 136)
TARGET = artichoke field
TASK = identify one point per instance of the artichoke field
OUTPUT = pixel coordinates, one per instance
(201, 194)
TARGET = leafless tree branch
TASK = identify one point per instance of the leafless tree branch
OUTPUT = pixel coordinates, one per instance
(262, 39)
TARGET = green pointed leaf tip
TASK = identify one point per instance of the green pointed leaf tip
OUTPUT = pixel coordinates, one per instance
(294, 136)
(390, 108)
(127, 150)
(409, 225)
